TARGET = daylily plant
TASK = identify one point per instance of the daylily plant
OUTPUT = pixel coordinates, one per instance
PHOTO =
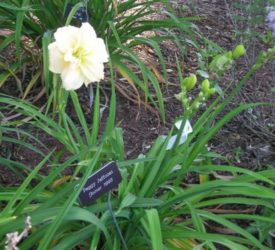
(78, 55)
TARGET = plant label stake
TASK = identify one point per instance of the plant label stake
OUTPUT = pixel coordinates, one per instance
(102, 181)
(186, 131)
(80, 15)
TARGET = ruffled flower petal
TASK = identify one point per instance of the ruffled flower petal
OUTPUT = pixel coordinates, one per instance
(100, 52)
(92, 72)
(87, 36)
(67, 38)
(56, 59)
(72, 78)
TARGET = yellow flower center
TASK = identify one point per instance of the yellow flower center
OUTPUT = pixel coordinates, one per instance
(78, 53)
(75, 56)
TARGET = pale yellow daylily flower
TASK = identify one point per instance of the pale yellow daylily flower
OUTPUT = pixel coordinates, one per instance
(78, 55)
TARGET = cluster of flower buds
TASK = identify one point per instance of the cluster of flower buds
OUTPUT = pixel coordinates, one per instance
(223, 62)
(217, 67)
(188, 84)
(271, 21)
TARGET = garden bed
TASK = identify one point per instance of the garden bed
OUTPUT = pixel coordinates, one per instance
(247, 141)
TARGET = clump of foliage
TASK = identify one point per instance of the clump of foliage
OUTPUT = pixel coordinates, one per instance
(151, 208)
(119, 23)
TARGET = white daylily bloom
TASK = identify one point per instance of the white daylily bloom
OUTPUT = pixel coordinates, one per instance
(78, 55)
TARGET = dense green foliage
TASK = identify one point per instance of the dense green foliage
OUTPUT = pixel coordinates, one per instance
(119, 24)
(152, 208)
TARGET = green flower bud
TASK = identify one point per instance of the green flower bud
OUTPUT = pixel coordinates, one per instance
(184, 101)
(205, 86)
(229, 54)
(201, 95)
(211, 92)
(190, 82)
(238, 51)
(221, 63)
(179, 96)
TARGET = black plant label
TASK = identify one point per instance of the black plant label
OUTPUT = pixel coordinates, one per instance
(102, 181)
